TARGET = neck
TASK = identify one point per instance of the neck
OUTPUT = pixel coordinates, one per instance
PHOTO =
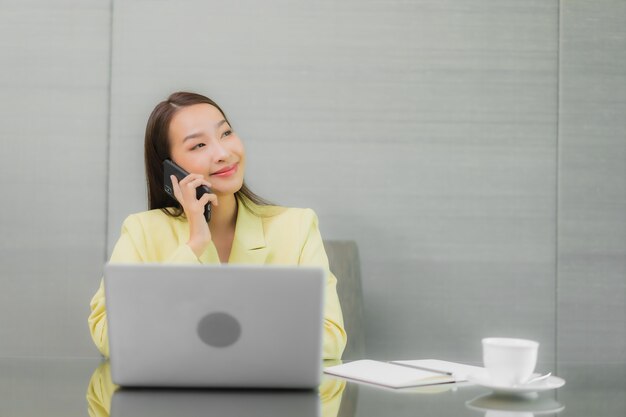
(223, 216)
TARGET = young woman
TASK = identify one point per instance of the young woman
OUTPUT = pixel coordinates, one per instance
(194, 133)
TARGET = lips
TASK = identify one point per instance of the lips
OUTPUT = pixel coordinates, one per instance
(225, 172)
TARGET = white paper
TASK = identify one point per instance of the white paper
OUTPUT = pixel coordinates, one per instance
(387, 374)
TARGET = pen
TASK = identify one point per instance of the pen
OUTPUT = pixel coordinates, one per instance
(406, 365)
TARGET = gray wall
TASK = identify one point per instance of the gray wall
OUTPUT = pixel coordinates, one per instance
(592, 181)
(475, 150)
(53, 137)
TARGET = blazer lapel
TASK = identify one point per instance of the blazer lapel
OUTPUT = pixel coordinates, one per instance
(249, 243)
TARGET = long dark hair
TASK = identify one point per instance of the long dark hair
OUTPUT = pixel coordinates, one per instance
(157, 149)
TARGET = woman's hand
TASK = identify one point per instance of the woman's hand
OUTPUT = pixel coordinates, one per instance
(185, 193)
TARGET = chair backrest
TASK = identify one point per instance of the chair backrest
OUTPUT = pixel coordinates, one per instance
(343, 257)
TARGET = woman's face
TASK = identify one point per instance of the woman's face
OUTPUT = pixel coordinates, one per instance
(202, 142)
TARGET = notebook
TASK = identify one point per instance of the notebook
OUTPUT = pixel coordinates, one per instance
(403, 374)
(215, 325)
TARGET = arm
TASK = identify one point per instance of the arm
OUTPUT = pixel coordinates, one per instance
(125, 250)
(313, 254)
(132, 247)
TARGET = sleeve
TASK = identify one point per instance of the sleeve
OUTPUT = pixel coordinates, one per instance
(131, 247)
(313, 254)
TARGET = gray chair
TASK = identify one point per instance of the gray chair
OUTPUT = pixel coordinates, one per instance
(343, 257)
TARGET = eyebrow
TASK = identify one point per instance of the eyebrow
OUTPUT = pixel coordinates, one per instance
(198, 134)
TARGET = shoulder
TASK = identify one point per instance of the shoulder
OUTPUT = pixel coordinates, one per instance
(276, 216)
(149, 236)
(149, 220)
(285, 215)
(293, 213)
(291, 223)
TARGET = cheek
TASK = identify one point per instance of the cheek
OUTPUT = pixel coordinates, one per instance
(194, 162)
(240, 150)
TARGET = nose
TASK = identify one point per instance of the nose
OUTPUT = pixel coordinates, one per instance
(219, 152)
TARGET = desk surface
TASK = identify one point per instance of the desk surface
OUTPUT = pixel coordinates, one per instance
(82, 387)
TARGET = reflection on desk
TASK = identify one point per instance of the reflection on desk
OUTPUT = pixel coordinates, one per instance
(105, 399)
(55, 387)
(528, 405)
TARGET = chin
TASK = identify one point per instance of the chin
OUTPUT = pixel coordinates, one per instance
(228, 190)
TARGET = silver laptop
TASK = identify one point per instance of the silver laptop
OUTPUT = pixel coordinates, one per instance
(215, 326)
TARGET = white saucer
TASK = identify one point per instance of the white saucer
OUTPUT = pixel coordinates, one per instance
(550, 383)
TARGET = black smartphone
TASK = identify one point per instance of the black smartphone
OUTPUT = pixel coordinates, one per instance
(170, 168)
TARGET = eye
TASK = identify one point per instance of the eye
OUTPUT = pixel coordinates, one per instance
(227, 133)
(199, 145)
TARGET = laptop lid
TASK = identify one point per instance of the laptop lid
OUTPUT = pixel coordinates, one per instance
(215, 325)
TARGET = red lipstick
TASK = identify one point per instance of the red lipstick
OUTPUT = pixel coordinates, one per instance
(226, 172)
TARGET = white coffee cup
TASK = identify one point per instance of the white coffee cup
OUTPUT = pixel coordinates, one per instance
(509, 361)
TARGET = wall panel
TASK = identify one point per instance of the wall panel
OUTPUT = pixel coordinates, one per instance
(592, 182)
(55, 81)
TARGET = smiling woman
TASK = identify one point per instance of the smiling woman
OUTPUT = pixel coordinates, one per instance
(192, 131)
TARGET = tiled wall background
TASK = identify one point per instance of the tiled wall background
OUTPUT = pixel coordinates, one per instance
(474, 149)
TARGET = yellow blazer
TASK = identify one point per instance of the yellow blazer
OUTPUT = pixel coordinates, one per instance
(264, 235)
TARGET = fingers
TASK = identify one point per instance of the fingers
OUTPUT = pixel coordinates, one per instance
(206, 198)
(185, 190)
(197, 182)
(189, 178)
(193, 181)
(176, 186)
